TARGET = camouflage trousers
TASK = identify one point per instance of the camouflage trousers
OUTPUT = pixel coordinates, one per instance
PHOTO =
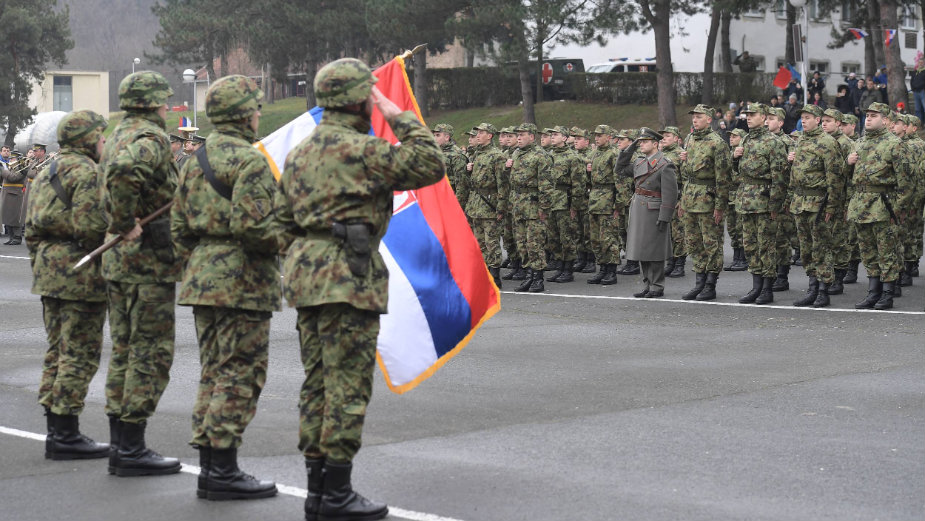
(877, 241)
(759, 238)
(562, 235)
(678, 246)
(912, 236)
(584, 230)
(488, 233)
(605, 238)
(787, 239)
(842, 254)
(733, 226)
(233, 346)
(704, 242)
(141, 323)
(510, 243)
(817, 249)
(531, 242)
(338, 347)
(74, 329)
(854, 251)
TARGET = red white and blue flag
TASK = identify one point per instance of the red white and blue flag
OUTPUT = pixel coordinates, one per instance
(888, 35)
(185, 122)
(858, 33)
(440, 291)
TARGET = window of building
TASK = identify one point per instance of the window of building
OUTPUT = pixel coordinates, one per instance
(910, 40)
(816, 14)
(753, 13)
(849, 67)
(907, 18)
(849, 9)
(821, 66)
(780, 9)
(760, 62)
(62, 93)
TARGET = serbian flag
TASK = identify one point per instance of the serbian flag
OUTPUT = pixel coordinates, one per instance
(440, 291)
(888, 35)
(782, 80)
(185, 122)
(857, 33)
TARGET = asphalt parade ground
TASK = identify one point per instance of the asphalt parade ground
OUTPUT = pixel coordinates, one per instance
(580, 403)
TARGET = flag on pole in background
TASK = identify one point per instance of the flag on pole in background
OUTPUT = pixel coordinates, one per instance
(783, 78)
(184, 122)
(794, 74)
(858, 33)
(888, 35)
(440, 291)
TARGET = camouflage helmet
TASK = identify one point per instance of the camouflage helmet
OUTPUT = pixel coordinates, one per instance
(144, 90)
(81, 128)
(849, 119)
(232, 98)
(343, 82)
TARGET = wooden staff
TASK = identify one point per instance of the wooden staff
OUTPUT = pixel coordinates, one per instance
(117, 239)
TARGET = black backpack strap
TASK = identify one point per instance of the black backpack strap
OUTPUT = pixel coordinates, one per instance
(220, 187)
(55, 183)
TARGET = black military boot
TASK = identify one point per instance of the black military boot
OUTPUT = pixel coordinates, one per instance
(551, 263)
(226, 481)
(50, 428)
(525, 285)
(521, 273)
(796, 260)
(560, 268)
(822, 298)
(851, 274)
(751, 296)
(905, 278)
(536, 286)
(915, 267)
(738, 260)
(579, 263)
(678, 270)
(611, 277)
(601, 273)
(709, 287)
(811, 293)
(495, 275)
(590, 266)
(68, 443)
(897, 290)
(782, 283)
(886, 297)
(838, 287)
(136, 459)
(339, 502)
(701, 280)
(205, 463)
(506, 263)
(874, 291)
(669, 264)
(115, 435)
(515, 265)
(314, 468)
(767, 293)
(631, 268)
(567, 275)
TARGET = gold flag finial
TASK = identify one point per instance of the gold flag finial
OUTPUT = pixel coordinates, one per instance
(407, 54)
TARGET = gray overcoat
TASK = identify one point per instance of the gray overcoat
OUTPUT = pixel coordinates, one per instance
(656, 187)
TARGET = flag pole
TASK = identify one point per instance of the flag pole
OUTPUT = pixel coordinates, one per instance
(117, 239)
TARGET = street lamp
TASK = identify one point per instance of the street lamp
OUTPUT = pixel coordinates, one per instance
(135, 62)
(189, 76)
(804, 44)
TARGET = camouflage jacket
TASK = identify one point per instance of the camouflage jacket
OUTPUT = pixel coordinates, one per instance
(846, 146)
(762, 186)
(58, 238)
(231, 246)
(706, 173)
(788, 146)
(531, 185)
(881, 175)
(585, 157)
(487, 186)
(341, 174)
(603, 195)
(673, 154)
(139, 177)
(567, 177)
(456, 162)
(816, 176)
(916, 150)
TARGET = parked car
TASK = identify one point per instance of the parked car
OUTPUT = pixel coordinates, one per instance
(624, 65)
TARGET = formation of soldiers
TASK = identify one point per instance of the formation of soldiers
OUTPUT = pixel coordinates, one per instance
(823, 198)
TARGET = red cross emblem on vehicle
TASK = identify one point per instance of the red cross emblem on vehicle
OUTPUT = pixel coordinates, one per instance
(547, 73)
(569, 67)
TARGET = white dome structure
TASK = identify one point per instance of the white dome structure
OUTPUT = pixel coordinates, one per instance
(43, 129)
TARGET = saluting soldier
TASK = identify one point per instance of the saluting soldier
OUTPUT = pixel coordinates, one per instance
(650, 211)
(762, 161)
(487, 198)
(568, 185)
(817, 181)
(670, 147)
(530, 204)
(334, 204)
(455, 161)
(602, 210)
(831, 124)
(176, 146)
(881, 184)
(224, 227)
(849, 129)
(706, 167)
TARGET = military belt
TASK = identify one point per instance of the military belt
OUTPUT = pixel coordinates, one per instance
(809, 191)
(873, 189)
(12, 186)
(648, 193)
(603, 185)
(755, 181)
(563, 186)
(219, 240)
(702, 182)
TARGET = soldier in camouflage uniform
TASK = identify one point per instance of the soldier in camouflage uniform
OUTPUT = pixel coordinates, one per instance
(733, 227)
(602, 210)
(881, 186)
(223, 223)
(913, 248)
(65, 223)
(706, 167)
(487, 198)
(581, 141)
(332, 226)
(140, 177)
(670, 147)
(508, 141)
(831, 124)
(455, 161)
(786, 227)
(849, 129)
(817, 181)
(762, 160)
(530, 204)
(567, 177)
(624, 196)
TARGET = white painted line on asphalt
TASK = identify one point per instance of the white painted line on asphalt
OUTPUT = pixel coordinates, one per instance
(12, 257)
(712, 303)
(283, 489)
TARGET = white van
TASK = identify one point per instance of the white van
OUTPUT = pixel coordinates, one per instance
(623, 65)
